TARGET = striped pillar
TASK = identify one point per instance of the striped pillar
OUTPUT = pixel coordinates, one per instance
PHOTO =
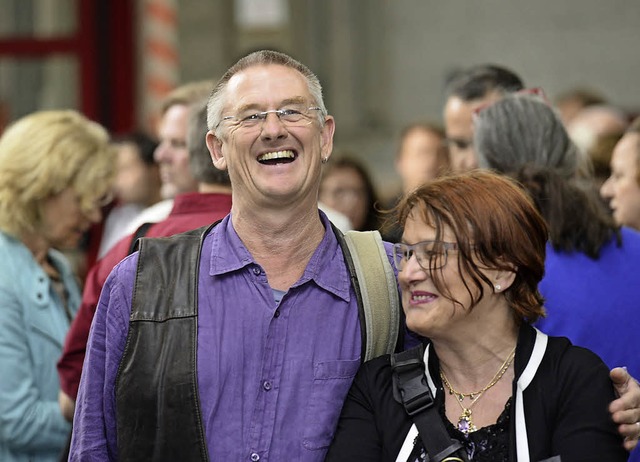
(159, 57)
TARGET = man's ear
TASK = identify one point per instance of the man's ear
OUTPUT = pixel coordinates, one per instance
(215, 149)
(327, 137)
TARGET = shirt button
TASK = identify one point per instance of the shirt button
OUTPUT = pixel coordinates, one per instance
(39, 295)
(255, 457)
(257, 272)
(267, 386)
(276, 314)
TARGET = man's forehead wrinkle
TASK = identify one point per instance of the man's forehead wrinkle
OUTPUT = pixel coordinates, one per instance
(260, 106)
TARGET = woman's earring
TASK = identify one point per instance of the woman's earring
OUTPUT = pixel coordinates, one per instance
(498, 287)
(325, 160)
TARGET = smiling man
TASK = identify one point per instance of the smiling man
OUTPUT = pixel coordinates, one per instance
(275, 340)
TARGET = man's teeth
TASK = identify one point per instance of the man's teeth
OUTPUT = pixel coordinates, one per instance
(276, 155)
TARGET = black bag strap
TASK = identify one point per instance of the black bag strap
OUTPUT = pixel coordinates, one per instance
(410, 388)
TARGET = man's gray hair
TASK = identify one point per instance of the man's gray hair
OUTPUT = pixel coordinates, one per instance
(521, 130)
(217, 99)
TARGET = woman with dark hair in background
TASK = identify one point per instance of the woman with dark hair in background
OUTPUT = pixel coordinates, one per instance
(591, 284)
(346, 186)
(136, 186)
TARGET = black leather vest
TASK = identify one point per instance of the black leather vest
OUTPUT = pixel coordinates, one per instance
(157, 404)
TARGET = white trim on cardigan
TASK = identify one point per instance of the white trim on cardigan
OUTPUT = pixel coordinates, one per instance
(522, 442)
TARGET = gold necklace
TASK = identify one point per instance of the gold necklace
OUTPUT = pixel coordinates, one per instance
(465, 424)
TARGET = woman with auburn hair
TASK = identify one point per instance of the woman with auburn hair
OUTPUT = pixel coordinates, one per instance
(56, 169)
(471, 257)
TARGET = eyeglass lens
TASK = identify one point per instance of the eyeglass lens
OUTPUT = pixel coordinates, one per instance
(431, 255)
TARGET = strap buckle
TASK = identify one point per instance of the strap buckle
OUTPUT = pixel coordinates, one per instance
(416, 395)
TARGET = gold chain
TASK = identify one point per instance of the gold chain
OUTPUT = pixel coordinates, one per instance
(465, 425)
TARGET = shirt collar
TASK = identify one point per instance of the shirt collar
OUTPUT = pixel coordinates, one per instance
(326, 267)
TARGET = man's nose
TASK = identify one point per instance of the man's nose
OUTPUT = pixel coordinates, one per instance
(273, 127)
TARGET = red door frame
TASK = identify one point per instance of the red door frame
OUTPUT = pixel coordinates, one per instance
(104, 45)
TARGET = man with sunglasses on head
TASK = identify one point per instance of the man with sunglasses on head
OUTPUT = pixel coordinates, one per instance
(467, 91)
(252, 358)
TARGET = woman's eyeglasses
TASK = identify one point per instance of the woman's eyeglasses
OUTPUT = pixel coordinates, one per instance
(430, 255)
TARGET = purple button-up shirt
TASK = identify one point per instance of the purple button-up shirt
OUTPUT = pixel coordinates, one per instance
(272, 377)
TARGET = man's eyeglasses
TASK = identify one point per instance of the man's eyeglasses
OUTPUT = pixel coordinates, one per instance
(431, 255)
(291, 117)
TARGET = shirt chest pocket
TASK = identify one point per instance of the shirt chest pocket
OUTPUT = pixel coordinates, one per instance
(331, 383)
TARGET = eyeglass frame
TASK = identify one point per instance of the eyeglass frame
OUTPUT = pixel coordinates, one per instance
(398, 259)
(262, 116)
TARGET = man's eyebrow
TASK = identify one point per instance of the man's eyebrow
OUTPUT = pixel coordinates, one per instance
(248, 107)
(295, 100)
(299, 100)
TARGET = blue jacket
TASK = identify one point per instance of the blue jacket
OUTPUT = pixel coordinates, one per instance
(596, 303)
(33, 324)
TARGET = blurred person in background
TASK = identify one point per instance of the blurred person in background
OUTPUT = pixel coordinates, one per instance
(467, 91)
(347, 187)
(622, 188)
(590, 283)
(595, 130)
(422, 155)
(572, 101)
(136, 186)
(172, 154)
(56, 170)
(600, 155)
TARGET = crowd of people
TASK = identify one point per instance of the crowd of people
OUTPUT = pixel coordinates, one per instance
(216, 316)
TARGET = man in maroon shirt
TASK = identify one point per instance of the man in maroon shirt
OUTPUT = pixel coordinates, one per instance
(190, 210)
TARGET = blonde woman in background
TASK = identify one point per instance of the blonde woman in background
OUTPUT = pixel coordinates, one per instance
(56, 168)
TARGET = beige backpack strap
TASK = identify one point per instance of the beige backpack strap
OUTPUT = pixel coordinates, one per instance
(379, 290)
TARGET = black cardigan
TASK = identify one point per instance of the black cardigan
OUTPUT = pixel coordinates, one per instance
(565, 406)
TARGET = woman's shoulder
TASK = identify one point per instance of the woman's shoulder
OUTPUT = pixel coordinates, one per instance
(375, 377)
(630, 238)
(15, 259)
(566, 366)
(561, 350)
(376, 368)
(550, 358)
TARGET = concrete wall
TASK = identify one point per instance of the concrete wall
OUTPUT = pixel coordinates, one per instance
(383, 63)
